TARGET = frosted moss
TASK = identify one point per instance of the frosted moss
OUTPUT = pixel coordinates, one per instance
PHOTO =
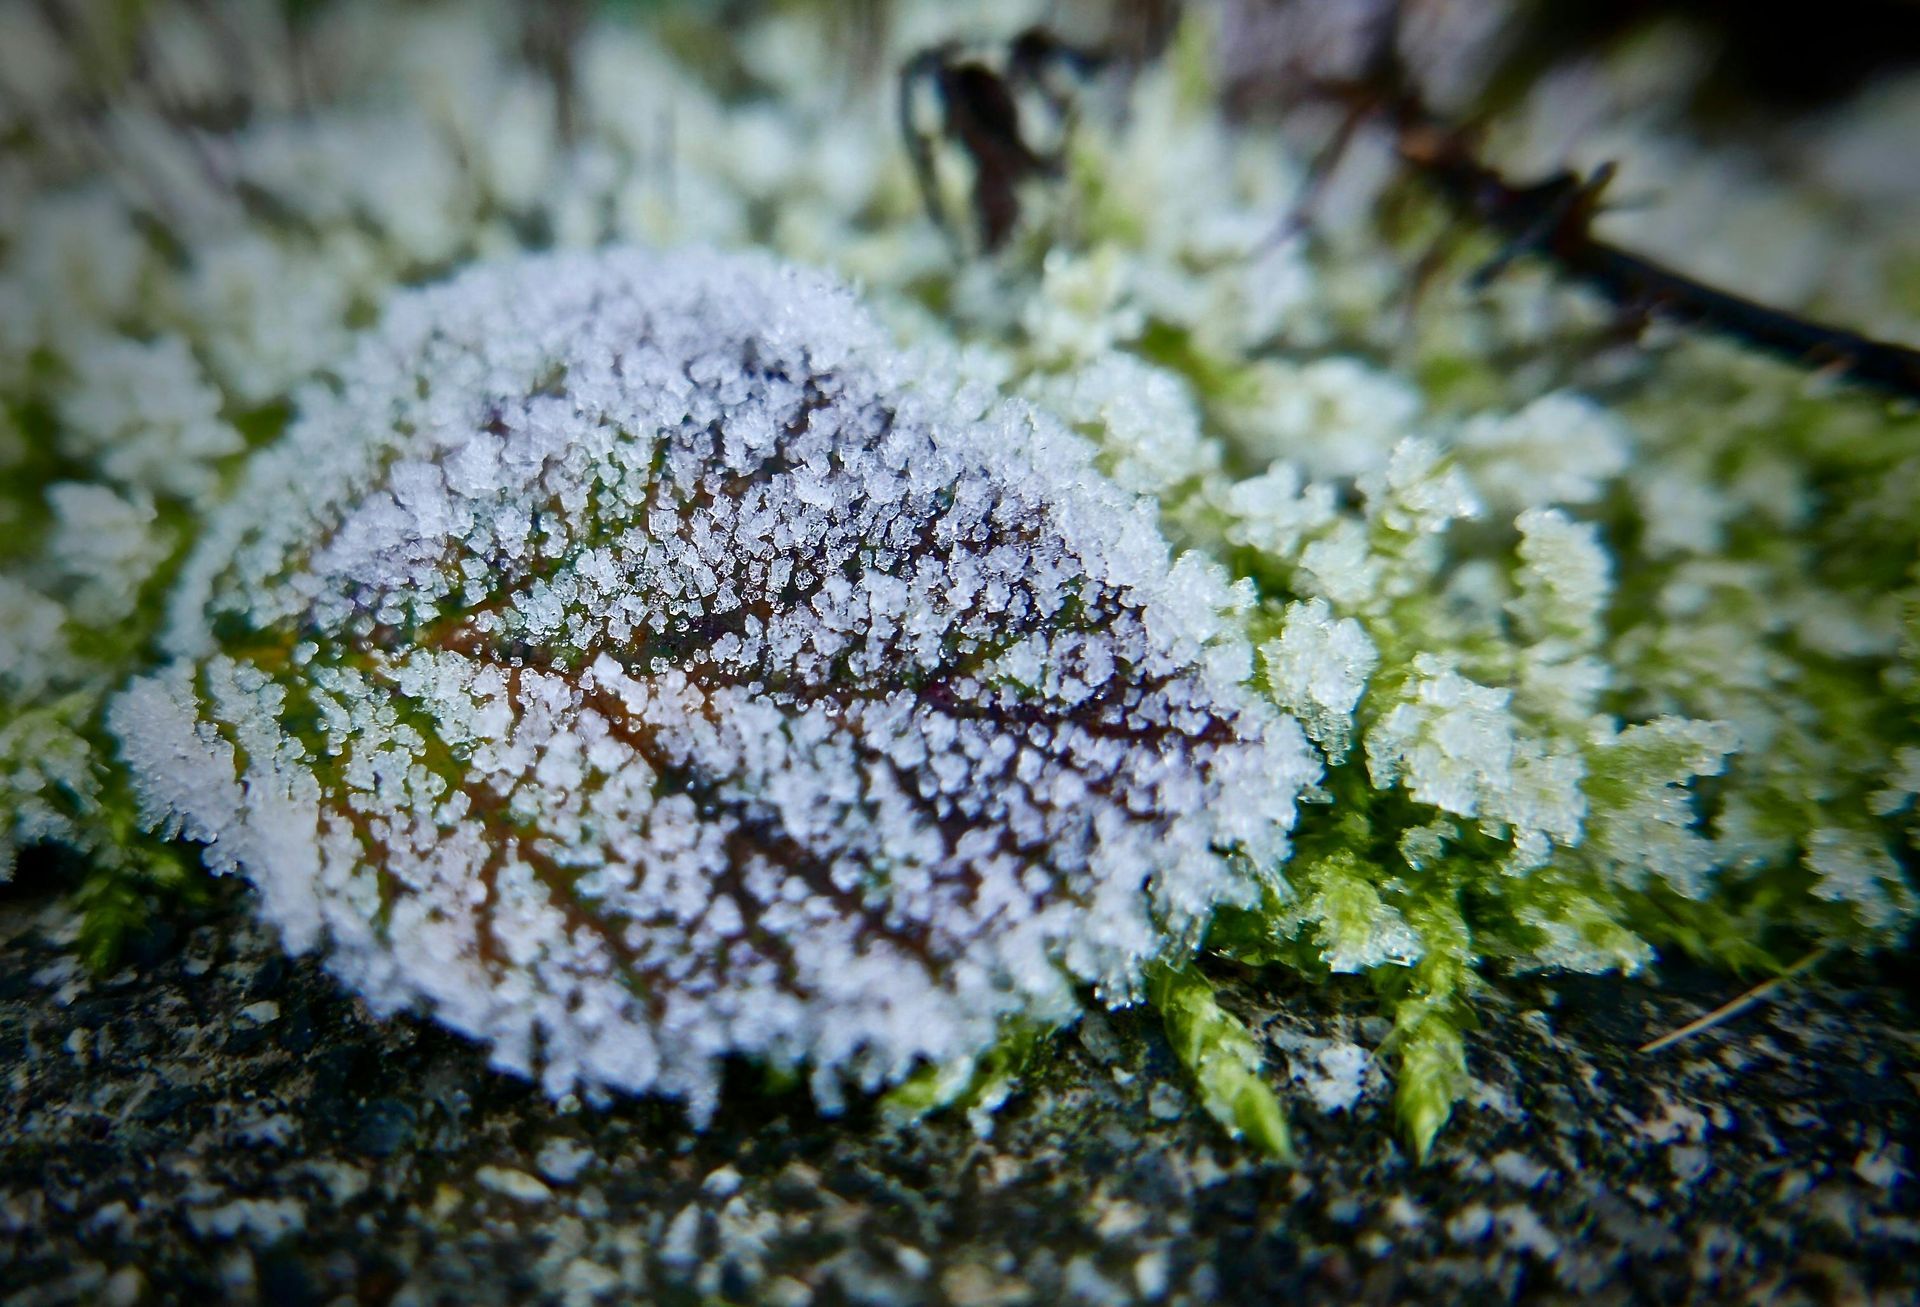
(1606, 651)
(638, 661)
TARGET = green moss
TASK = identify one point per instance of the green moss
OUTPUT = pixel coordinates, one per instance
(973, 1084)
(1223, 1057)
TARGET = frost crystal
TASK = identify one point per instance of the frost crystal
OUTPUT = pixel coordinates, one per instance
(1450, 740)
(1559, 449)
(145, 411)
(1579, 630)
(1318, 670)
(627, 656)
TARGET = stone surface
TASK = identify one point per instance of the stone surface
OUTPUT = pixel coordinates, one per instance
(217, 1123)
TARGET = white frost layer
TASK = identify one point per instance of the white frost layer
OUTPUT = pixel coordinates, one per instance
(637, 660)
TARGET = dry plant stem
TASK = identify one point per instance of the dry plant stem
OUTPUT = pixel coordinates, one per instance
(1554, 218)
(1729, 1010)
(980, 113)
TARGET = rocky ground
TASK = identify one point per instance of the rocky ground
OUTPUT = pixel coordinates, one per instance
(215, 1122)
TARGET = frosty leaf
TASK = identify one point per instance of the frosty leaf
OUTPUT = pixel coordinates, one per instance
(631, 661)
(1307, 419)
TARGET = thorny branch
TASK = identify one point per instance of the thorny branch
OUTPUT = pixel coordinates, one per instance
(1552, 218)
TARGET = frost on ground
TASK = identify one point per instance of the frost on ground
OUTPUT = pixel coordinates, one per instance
(1600, 650)
(634, 658)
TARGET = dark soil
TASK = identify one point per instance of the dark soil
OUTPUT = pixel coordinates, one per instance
(217, 1123)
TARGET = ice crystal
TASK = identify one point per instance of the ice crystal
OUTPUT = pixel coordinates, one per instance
(1318, 670)
(630, 658)
(145, 412)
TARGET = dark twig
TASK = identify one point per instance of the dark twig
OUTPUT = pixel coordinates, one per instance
(980, 113)
(1554, 218)
(550, 36)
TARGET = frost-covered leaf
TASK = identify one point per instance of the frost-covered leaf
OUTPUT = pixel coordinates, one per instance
(635, 663)
(1547, 588)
